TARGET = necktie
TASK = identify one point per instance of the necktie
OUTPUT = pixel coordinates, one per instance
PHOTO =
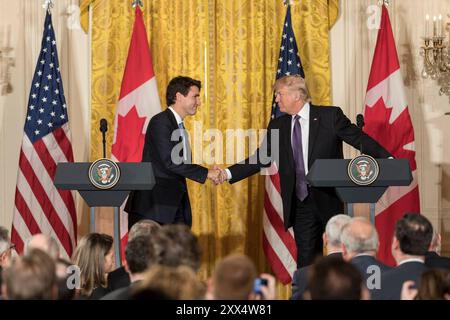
(301, 190)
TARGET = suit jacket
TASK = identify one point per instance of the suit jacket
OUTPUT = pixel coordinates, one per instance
(118, 279)
(364, 262)
(328, 128)
(300, 278)
(392, 281)
(433, 260)
(170, 191)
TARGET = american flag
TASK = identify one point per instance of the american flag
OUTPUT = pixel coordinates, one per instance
(39, 206)
(279, 245)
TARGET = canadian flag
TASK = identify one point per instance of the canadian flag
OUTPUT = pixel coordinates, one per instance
(387, 120)
(138, 102)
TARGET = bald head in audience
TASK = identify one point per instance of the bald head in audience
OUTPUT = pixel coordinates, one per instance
(359, 236)
(45, 243)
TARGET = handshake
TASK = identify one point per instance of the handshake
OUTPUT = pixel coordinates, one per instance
(217, 175)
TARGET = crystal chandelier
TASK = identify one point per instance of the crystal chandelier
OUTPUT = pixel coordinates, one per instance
(436, 53)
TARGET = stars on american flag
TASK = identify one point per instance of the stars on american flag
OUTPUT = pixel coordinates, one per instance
(289, 61)
(47, 109)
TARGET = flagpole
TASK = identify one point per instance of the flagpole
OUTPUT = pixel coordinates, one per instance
(48, 5)
(137, 3)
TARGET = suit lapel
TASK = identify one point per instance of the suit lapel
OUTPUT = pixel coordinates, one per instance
(314, 121)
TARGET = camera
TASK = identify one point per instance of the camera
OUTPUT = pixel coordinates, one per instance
(257, 285)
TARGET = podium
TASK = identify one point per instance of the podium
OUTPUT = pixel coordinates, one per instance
(334, 173)
(133, 176)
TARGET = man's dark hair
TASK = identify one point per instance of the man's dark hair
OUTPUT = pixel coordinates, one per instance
(140, 254)
(183, 236)
(334, 279)
(414, 233)
(182, 85)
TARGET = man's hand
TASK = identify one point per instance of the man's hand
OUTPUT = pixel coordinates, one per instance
(269, 291)
(408, 290)
(217, 175)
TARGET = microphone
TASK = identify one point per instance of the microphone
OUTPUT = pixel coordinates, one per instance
(103, 125)
(103, 129)
(360, 125)
(360, 121)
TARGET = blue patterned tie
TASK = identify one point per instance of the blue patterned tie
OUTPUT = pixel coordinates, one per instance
(301, 190)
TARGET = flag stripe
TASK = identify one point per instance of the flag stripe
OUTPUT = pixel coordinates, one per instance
(272, 255)
(57, 149)
(25, 215)
(277, 224)
(44, 174)
(18, 238)
(37, 212)
(41, 203)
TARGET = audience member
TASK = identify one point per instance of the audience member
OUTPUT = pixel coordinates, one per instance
(30, 277)
(432, 258)
(94, 256)
(139, 256)
(359, 246)
(412, 238)
(176, 283)
(332, 240)
(66, 291)
(120, 278)
(335, 279)
(45, 243)
(233, 279)
(434, 285)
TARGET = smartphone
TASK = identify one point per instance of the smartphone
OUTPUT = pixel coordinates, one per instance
(257, 285)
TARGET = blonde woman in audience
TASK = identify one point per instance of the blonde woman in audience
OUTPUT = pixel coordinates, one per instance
(94, 256)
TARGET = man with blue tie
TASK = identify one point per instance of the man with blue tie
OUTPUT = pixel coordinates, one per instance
(306, 133)
(167, 148)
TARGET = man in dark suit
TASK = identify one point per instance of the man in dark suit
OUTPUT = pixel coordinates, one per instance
(306, 133)
(332, 240)
(167, 148)
(359, 246)
(412, 238)
(432, 258)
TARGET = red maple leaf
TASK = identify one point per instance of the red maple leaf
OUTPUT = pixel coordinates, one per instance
(129, 138)
(392, 136)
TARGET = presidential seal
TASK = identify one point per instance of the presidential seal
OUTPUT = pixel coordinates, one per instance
(104, 173)
(363, 170)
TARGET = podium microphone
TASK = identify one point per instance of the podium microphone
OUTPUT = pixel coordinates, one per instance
(360, 125)
(103, 129)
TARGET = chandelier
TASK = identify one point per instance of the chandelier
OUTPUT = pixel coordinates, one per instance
(436, 53)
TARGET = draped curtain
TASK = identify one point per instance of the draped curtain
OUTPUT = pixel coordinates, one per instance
(232, 47)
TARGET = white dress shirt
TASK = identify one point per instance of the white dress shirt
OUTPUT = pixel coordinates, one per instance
(304, 123)
(180, 121)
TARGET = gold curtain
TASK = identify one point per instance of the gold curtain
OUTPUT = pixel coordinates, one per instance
(232, 47)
